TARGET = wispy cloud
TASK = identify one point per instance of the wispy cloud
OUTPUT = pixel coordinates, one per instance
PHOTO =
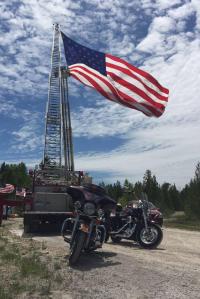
(27, 138)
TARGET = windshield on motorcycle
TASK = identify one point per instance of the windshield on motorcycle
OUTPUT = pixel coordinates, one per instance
(93, 194)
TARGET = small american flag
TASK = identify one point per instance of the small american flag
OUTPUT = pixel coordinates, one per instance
(115, 79)
(21, 192)
(7, 189)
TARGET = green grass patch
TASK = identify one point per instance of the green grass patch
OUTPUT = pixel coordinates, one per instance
(21, 268)
(58, 278)
(46, 289)
(182, 222)
(57, 266)
(26, 270)
(8, 256)
(33, 266)
(4, 294)
(26, 260)
(2, 245)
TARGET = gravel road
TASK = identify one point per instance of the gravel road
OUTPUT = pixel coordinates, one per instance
(125, 271)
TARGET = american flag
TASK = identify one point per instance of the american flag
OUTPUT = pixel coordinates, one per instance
(7, 189)
(115, 79)
(21, 192)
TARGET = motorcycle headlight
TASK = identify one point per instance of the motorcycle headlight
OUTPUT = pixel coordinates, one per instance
(89, 208)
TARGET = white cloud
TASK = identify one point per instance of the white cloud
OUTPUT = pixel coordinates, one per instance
(108, 119)
(163, 24)
(170, 155)
(27, 138)
(11, 110)
(183, 11)
(159, 6)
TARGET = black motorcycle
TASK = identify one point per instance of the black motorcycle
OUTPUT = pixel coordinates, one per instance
(87, 230)
(135, 224)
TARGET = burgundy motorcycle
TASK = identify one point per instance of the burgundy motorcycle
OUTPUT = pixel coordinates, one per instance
(138, 225)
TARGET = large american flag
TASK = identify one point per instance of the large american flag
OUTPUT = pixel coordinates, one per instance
(115, 79)
(8, 188)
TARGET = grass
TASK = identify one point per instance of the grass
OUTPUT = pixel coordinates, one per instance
(21, 272)
(3, 294)
(8, 256)
(58, 278)
(182, 222)
(26, 270)
(31, 266)
(46, 289)
(57, 266)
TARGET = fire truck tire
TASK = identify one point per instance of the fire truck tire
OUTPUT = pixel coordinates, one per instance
(27, 228)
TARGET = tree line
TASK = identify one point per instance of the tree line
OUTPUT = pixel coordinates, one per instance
(15, 174)
(166, 196)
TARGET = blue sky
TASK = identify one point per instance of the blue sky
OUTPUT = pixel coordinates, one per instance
(111, 142)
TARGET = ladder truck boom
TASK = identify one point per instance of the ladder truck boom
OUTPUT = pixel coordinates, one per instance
(51, 202)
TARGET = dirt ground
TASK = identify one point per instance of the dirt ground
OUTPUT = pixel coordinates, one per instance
(127, 271)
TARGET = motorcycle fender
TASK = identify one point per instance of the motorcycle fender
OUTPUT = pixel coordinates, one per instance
(157, 225)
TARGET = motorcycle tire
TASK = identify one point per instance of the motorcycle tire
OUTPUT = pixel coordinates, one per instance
(116, 239)
(154, 241)
(77, 247)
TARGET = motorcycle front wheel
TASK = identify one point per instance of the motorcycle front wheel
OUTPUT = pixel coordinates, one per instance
(77, 247)
(150, 238)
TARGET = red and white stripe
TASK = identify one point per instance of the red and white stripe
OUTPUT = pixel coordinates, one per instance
(125, 84)
(21, 193)
(7, 189)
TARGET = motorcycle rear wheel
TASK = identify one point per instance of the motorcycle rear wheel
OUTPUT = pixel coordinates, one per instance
(150, 239)
(77, 247)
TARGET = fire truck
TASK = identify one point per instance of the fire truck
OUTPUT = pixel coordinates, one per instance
(51, 203)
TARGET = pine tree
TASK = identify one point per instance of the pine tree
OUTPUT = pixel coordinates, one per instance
(15, 174)
(191, 195)
(152, 188)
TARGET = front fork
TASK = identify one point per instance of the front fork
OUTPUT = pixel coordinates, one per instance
(79, 224)
(82, 226)
(147, 227)
(145, 220)
(90, 230)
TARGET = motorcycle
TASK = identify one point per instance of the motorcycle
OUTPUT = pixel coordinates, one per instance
(86, 231)
(135, 224)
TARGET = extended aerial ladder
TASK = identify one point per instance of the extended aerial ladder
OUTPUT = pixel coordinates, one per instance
(58, 131)
(50, 201)
(58, 159)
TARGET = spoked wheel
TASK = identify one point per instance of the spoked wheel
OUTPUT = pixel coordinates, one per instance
(151, 237)
(77, 247)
